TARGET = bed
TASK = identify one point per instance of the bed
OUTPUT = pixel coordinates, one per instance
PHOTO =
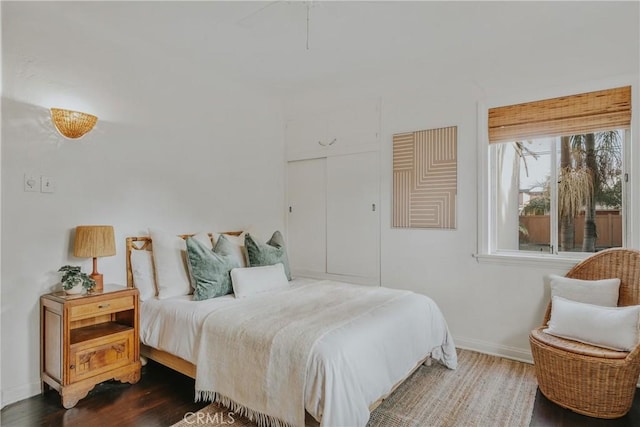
(322, 349)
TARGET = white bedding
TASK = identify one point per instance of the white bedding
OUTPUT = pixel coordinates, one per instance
(173, 324)
(349, 367)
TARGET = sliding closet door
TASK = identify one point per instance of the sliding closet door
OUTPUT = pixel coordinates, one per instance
(306, 227)
(353, 215)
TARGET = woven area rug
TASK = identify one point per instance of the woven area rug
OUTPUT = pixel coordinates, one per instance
(484, 391)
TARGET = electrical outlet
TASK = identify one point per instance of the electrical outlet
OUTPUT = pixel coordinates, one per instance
(46, 184)
(30, 182)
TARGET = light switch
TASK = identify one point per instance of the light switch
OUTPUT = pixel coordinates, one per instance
(30, 182)
(46, 184)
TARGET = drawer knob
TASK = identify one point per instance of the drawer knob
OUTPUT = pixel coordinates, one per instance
(104, 305)
(72, 367)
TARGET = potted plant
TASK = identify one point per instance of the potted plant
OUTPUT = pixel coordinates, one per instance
(73, 280)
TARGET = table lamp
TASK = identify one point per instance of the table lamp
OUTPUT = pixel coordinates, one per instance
(93, 241)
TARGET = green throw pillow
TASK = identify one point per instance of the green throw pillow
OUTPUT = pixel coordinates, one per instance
(209, 269)
(270, 253)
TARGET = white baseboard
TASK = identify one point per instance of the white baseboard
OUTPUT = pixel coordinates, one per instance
(15, 394)
(508, 352)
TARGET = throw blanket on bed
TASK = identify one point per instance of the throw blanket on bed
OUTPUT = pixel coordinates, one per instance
(260, 348)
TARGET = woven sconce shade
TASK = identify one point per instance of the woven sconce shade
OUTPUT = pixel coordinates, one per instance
(93, 241)
(72, 124)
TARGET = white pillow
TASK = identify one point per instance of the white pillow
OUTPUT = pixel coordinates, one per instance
(142, 269)
(256, 280)
(615, 328)
(599, 292)
(170, 262)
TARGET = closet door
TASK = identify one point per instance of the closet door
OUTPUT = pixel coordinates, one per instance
(353, 215)
(306, 223)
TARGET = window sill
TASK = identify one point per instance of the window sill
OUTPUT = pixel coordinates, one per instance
(526, 260)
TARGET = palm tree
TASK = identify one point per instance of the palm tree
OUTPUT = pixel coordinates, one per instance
(567, 226)
(590, 231)
(600, 156)
(575, 188)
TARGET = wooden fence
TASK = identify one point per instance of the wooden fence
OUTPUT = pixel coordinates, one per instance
(608, 228)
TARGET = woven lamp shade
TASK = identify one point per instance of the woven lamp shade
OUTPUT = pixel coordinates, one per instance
(72, 124)
(94, 241)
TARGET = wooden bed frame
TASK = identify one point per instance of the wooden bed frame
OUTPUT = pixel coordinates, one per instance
(144, 243)
(176, 363)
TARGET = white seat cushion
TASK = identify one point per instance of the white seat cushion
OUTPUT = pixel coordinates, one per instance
(615, 328)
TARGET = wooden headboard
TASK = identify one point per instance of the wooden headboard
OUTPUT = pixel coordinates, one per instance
(143, 243)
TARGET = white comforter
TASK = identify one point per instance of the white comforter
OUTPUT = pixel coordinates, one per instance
(350, 366)
(174, 324)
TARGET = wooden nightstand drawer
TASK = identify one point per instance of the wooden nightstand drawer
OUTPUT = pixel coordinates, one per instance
(103, 307)
(89, 358)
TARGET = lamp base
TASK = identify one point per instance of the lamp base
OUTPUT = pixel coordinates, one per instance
(97, 277)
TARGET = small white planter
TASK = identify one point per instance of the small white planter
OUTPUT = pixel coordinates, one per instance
(76, 289)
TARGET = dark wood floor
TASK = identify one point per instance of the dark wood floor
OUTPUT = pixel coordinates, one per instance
(163, 397)
(547, 413)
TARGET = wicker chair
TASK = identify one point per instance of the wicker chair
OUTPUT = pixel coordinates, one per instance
(586, 379)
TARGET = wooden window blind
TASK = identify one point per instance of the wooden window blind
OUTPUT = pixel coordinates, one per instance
(568, 115)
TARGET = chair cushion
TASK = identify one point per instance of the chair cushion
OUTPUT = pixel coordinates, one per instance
(599, 292)
(615, 328)
(575, 346)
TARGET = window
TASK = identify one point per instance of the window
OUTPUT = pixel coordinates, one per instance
(556, 175)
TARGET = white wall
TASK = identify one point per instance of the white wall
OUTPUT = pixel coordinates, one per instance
(175, 147)
(490, 307)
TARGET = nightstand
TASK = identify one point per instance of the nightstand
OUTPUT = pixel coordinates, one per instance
(88, 339)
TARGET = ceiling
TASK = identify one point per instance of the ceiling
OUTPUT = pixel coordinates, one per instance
(266, 42)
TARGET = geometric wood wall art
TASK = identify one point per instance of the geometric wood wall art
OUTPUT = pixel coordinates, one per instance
(425, 178)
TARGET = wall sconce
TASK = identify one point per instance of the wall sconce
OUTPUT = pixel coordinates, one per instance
(72, 124)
